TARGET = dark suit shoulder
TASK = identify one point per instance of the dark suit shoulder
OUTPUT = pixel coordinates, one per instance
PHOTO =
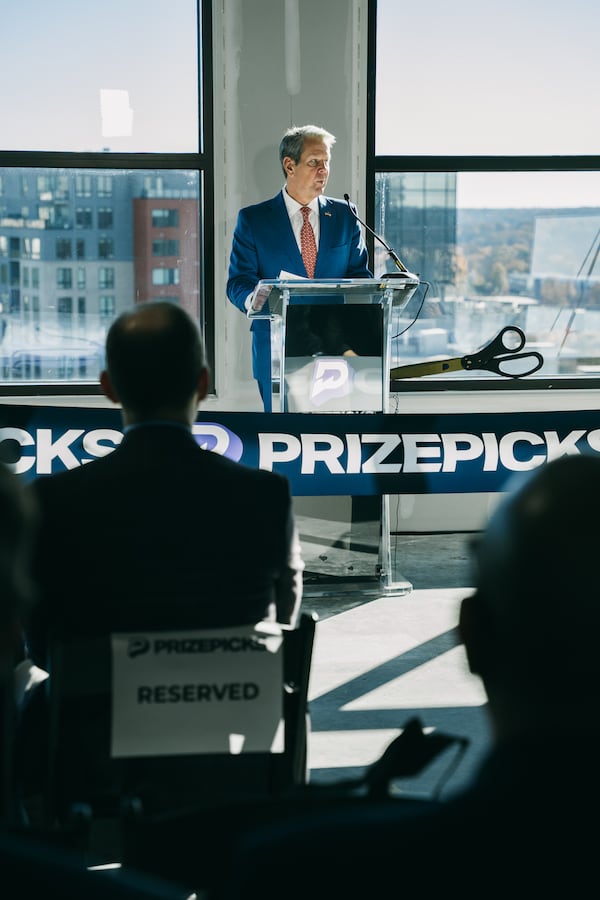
(334, 202)
(242, 472)
(141, 453)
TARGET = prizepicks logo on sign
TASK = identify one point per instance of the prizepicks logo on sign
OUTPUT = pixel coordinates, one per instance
(213, 691)
(136, 646)
(219, 439)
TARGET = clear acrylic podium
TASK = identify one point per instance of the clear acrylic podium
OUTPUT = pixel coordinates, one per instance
(330, 352)
(348, 311)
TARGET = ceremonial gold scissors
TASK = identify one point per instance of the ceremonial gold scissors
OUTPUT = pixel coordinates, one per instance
(501, 355)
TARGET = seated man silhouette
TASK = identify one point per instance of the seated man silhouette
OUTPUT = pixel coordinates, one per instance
(525, 825)
(160, 533)
(31, 868)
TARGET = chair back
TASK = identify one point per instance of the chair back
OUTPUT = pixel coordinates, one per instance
(176, 719)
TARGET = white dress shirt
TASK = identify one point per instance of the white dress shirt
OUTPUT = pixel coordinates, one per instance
(296, 219)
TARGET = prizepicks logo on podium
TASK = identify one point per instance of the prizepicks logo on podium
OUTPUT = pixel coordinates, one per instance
(333, 384)
(332, 377)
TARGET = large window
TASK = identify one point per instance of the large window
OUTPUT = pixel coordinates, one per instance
(485, 181)
(119, 149)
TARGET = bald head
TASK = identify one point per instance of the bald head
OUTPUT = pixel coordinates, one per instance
(543, 540)
(532, 627)
(155, 361)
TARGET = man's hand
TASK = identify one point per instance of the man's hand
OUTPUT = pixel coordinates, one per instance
(259, 297)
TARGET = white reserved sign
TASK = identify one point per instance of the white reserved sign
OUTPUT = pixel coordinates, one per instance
(205, 691)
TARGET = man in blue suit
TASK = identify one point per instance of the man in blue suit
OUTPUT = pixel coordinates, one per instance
(267, 239)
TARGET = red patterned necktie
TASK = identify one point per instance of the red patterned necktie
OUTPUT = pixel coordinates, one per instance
(308, 245)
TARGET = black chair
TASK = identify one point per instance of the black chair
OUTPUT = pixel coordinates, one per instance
(195, 848)
(91, 791)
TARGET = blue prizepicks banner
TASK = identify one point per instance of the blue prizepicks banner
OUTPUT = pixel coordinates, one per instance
(325, 454)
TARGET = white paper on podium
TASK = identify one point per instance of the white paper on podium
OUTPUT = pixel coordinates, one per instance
(208, 691)
(289, 276)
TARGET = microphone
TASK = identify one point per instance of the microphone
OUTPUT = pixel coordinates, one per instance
(403, 271)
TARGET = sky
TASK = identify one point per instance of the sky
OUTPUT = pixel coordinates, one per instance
(460, 78)
(518, 190)
(58, 57)
(518, 77)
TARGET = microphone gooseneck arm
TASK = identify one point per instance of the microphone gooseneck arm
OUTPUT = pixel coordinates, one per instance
(398, 262)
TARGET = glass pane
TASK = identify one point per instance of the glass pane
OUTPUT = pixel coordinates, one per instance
(121, 75)
(504, 77)
(496, 249)
(79, 247)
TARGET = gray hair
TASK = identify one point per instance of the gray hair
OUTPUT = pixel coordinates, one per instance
(292, 142)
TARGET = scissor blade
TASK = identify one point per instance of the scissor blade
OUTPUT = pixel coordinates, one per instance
(434, 367)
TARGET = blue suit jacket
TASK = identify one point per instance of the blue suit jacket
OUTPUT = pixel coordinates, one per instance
(264, 245)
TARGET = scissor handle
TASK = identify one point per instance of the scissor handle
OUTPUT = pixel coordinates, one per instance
(509, 339)
(501, 352)
(505, 365)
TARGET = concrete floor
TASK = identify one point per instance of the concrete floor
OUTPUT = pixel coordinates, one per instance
(381, 660)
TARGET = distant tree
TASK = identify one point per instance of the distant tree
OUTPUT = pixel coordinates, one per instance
(498, 279)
